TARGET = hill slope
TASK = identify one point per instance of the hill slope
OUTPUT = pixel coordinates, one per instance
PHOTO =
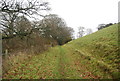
(93, 56)
(101, 47)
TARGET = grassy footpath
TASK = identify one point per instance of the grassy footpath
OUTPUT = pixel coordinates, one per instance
(93, 56)
(57, 63)
(41, 66)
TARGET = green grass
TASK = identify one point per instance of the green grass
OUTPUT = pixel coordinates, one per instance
(102, 48)
(93, 56)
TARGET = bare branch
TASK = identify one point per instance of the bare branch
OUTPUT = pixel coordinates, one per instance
(11, 9)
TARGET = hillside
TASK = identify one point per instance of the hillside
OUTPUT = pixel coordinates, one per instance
(92, 56)
(100, 47)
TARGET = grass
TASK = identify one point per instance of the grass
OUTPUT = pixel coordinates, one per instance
(102, 48)
(93, 56)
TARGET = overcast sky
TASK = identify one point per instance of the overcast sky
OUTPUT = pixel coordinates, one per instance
(86, 13)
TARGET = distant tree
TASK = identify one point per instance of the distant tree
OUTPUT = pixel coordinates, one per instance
(66, 35)
(81, 31)
(88, 31)
(108, 24)
(55, 27)
(70, 32)
(101, 26)
(10, 10)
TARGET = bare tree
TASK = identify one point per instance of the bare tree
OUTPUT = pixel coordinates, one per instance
(11, 9)
(81, 31)
(88, 31)
(55, 27)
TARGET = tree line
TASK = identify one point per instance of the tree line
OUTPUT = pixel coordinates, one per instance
(21, 33)
(101, 26)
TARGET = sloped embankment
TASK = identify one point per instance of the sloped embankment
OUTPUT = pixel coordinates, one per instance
(100, 49)
(93, 56)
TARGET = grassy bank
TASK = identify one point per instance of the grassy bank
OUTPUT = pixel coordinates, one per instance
(101, 50)
(93, 56)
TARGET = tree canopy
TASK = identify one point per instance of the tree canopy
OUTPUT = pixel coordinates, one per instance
(55, 27)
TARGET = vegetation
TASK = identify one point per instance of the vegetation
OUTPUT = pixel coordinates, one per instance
(101, 26)
(22, 35)
(81, 31)
(101, 48)
(55, 27)
(43, 49)
(92, 56)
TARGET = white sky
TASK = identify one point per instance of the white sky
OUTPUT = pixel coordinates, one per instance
(86, 13)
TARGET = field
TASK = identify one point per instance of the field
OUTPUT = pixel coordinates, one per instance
(92, 56)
